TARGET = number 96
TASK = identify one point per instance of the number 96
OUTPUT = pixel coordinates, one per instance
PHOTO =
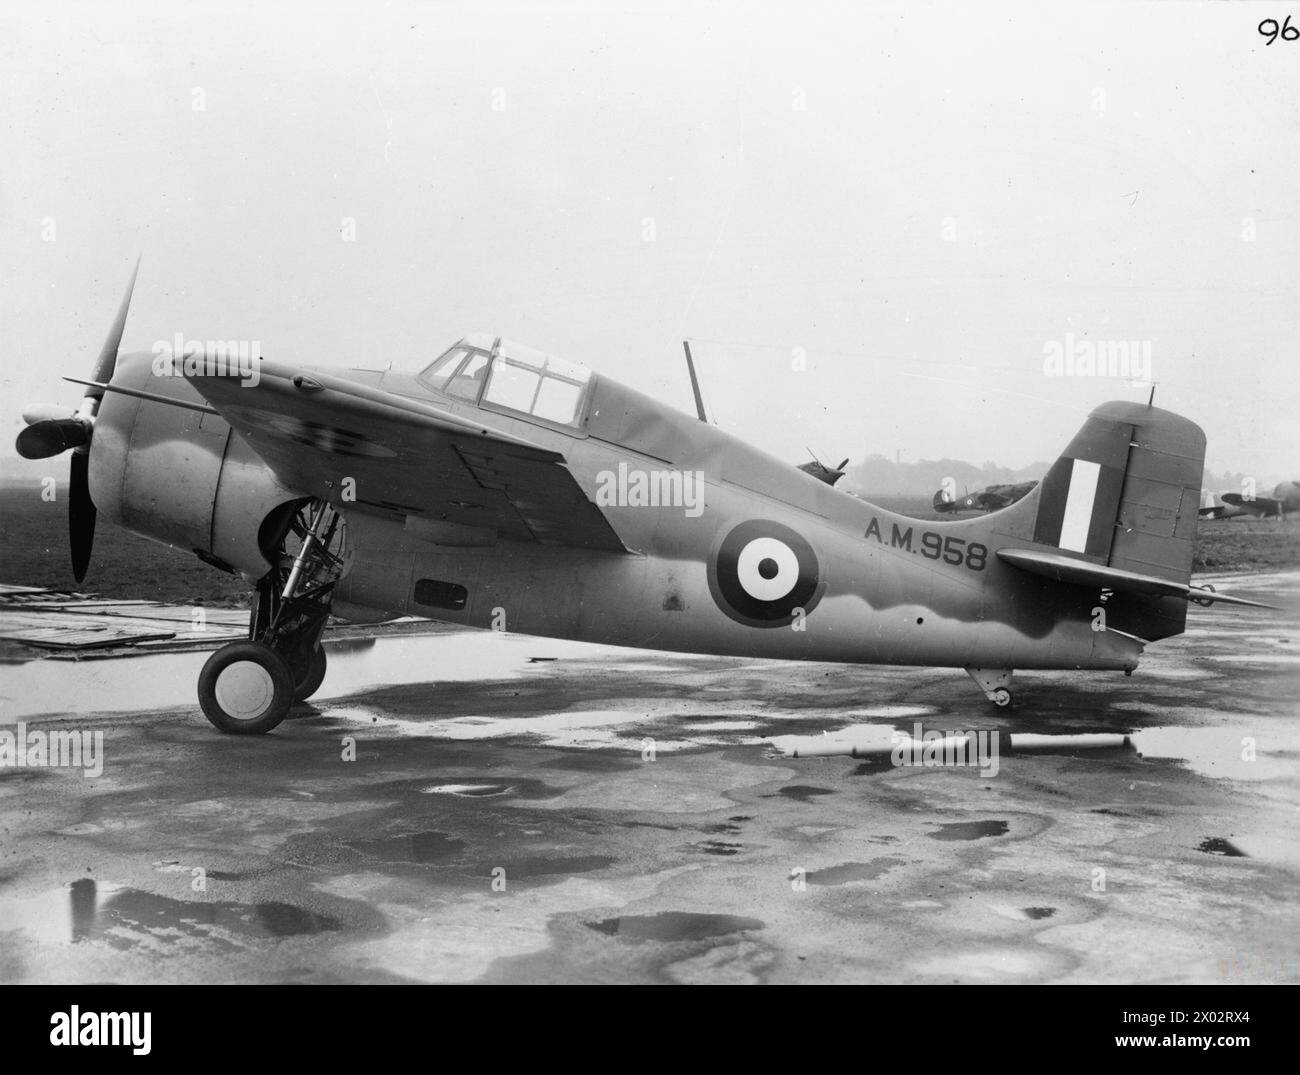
(1269, 28)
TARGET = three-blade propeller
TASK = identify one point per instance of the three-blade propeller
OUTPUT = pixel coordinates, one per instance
(52, 429)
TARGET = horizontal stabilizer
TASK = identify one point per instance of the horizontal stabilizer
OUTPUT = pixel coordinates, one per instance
(1067, 569)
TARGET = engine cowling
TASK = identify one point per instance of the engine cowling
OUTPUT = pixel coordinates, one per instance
(180, 476)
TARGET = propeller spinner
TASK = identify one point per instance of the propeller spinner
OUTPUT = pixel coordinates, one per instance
(52, 430)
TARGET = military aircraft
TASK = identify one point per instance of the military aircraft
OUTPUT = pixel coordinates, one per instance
(1285, 498)
(991, 498)
(501, 487)
(820, 471)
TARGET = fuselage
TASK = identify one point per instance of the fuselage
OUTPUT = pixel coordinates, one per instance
(711, 527)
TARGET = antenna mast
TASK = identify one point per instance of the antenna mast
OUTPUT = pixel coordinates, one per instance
(695, 382)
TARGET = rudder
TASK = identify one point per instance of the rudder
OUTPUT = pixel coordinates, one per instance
(1125, 494)
(1127, 490)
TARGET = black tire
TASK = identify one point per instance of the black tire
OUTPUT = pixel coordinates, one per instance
(245, 688)
(310, 683)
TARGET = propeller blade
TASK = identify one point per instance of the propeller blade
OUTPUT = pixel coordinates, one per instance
(107, 361)
(50, 436)
(81, 516)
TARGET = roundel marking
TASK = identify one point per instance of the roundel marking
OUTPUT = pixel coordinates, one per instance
(767, 569)
(326, 438)
(761, 572)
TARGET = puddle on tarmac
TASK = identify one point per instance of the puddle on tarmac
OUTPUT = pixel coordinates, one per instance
(122, 917)
(719, 847)
(849, 872)
(425, 848)
(873, 765)
(720, 726)
(550, 867)
(1253, 750)
(619, 729)
(337, 647)
(969, 830)
(673, 926)
(466, 783)
(723, 828)
(166, 680)
(896, 712)
(1217, 845)
(802, 792)
(471, 791)
(596, 763)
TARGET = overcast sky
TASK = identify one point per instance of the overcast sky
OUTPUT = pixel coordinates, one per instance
(919, 200)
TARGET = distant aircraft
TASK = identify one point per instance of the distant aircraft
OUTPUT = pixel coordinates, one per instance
(1285, 498)
(507, 489)
(823, 473)
(992, 498)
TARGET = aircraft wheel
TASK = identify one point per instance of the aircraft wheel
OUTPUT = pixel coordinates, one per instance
(245, 688)
(1001, 697)
(310, 682)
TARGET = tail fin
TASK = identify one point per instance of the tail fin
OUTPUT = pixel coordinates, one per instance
(1127, 491)
(1122, 504)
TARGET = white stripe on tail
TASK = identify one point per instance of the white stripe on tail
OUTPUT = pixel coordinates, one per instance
(1078, 505)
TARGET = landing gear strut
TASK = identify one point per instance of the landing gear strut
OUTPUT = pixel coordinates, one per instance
(994, 682)
(247, 688)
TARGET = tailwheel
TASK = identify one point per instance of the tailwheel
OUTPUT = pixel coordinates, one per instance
(245, 688)
(308, 682)
(994, 682)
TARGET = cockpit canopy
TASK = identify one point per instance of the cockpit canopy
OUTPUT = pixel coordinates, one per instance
(507, 376)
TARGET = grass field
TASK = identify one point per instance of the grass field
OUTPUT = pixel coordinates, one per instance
(1247, 545)
(34, 552)
(34, 540)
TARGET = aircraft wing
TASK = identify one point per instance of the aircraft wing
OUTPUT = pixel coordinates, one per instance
(1220, 511)
(407, 457)
(1068, 569)
(1260, 505)
(1003, 496)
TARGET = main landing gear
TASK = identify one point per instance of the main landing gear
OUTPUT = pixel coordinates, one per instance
(994, 682)
(247, 688)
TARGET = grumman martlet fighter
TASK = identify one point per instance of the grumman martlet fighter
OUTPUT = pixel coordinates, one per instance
(1285, 498)
(502, 487)
(823, 473)
(990, 498)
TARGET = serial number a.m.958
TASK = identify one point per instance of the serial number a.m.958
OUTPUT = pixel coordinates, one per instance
(951, 550)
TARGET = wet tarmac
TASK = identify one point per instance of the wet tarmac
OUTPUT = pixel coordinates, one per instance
(482, 807)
